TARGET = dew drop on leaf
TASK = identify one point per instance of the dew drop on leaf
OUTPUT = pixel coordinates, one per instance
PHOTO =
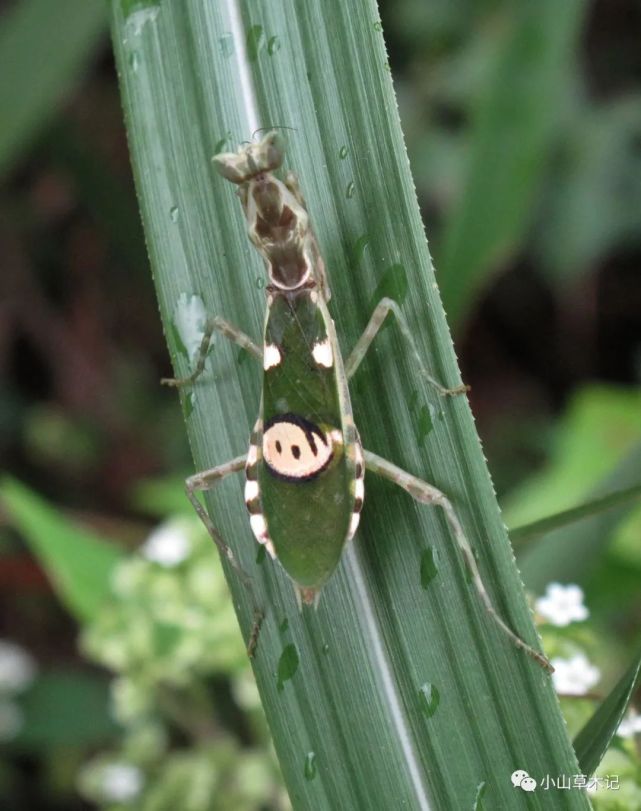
(226, 44)
(310, 766)
(359, 249)
(273, 46)
(393, 284)
(423, 425)
(220, 145)
(429, 569)
(429, 699)
(287, 665)
(254, 42)
(478, 799)
(190, 402)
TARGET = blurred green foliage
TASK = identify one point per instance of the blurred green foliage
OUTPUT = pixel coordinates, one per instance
(524, 129)
(170, 635)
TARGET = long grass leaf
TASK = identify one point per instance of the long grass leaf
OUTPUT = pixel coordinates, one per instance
(398, 689)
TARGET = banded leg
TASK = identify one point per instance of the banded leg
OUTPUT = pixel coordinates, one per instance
(385, 306)
(428, 494)
(214, 324)
(206, 480)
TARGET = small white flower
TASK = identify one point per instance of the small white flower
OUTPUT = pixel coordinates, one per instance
(17, 667)
(121, 782)
(574, 676)
(630, 726)
(169, 544)
(562, 605)
(11, 720)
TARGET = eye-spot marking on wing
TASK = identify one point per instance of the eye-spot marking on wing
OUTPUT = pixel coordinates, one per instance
(322, 354)
(271, 356)
(295, 449)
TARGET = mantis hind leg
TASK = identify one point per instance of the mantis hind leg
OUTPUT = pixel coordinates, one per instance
(214, 324)
(383, 308)
(428, 494)
(207, 480)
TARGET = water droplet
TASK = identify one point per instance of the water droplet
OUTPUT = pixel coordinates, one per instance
(273, 46)
(254, 42)
(359, 249)
(351, 188)
(424, 425)
(478, 799)
(429, 699)
(174, 213)
(342, 153)
(378, 25)
(287, 665)
(189, 404)
(261, 554)
(189, 321)
(393, 284)
(220, 144)
(310, 765)
(429, 569)
(326, 649)
(226, 44)
(260, 282)
(284, 625)
(469, 577)
(138, 19)
(134, 61)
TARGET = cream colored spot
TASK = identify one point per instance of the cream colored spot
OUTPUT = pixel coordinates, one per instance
(359, 489)
(252, 456)
(271, 357)
(259, 527)
(353, 524)
(322, 353)
(251, 490)
(295, 450)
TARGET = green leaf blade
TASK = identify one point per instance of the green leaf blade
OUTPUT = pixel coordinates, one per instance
(356, 698)
(593, 740)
